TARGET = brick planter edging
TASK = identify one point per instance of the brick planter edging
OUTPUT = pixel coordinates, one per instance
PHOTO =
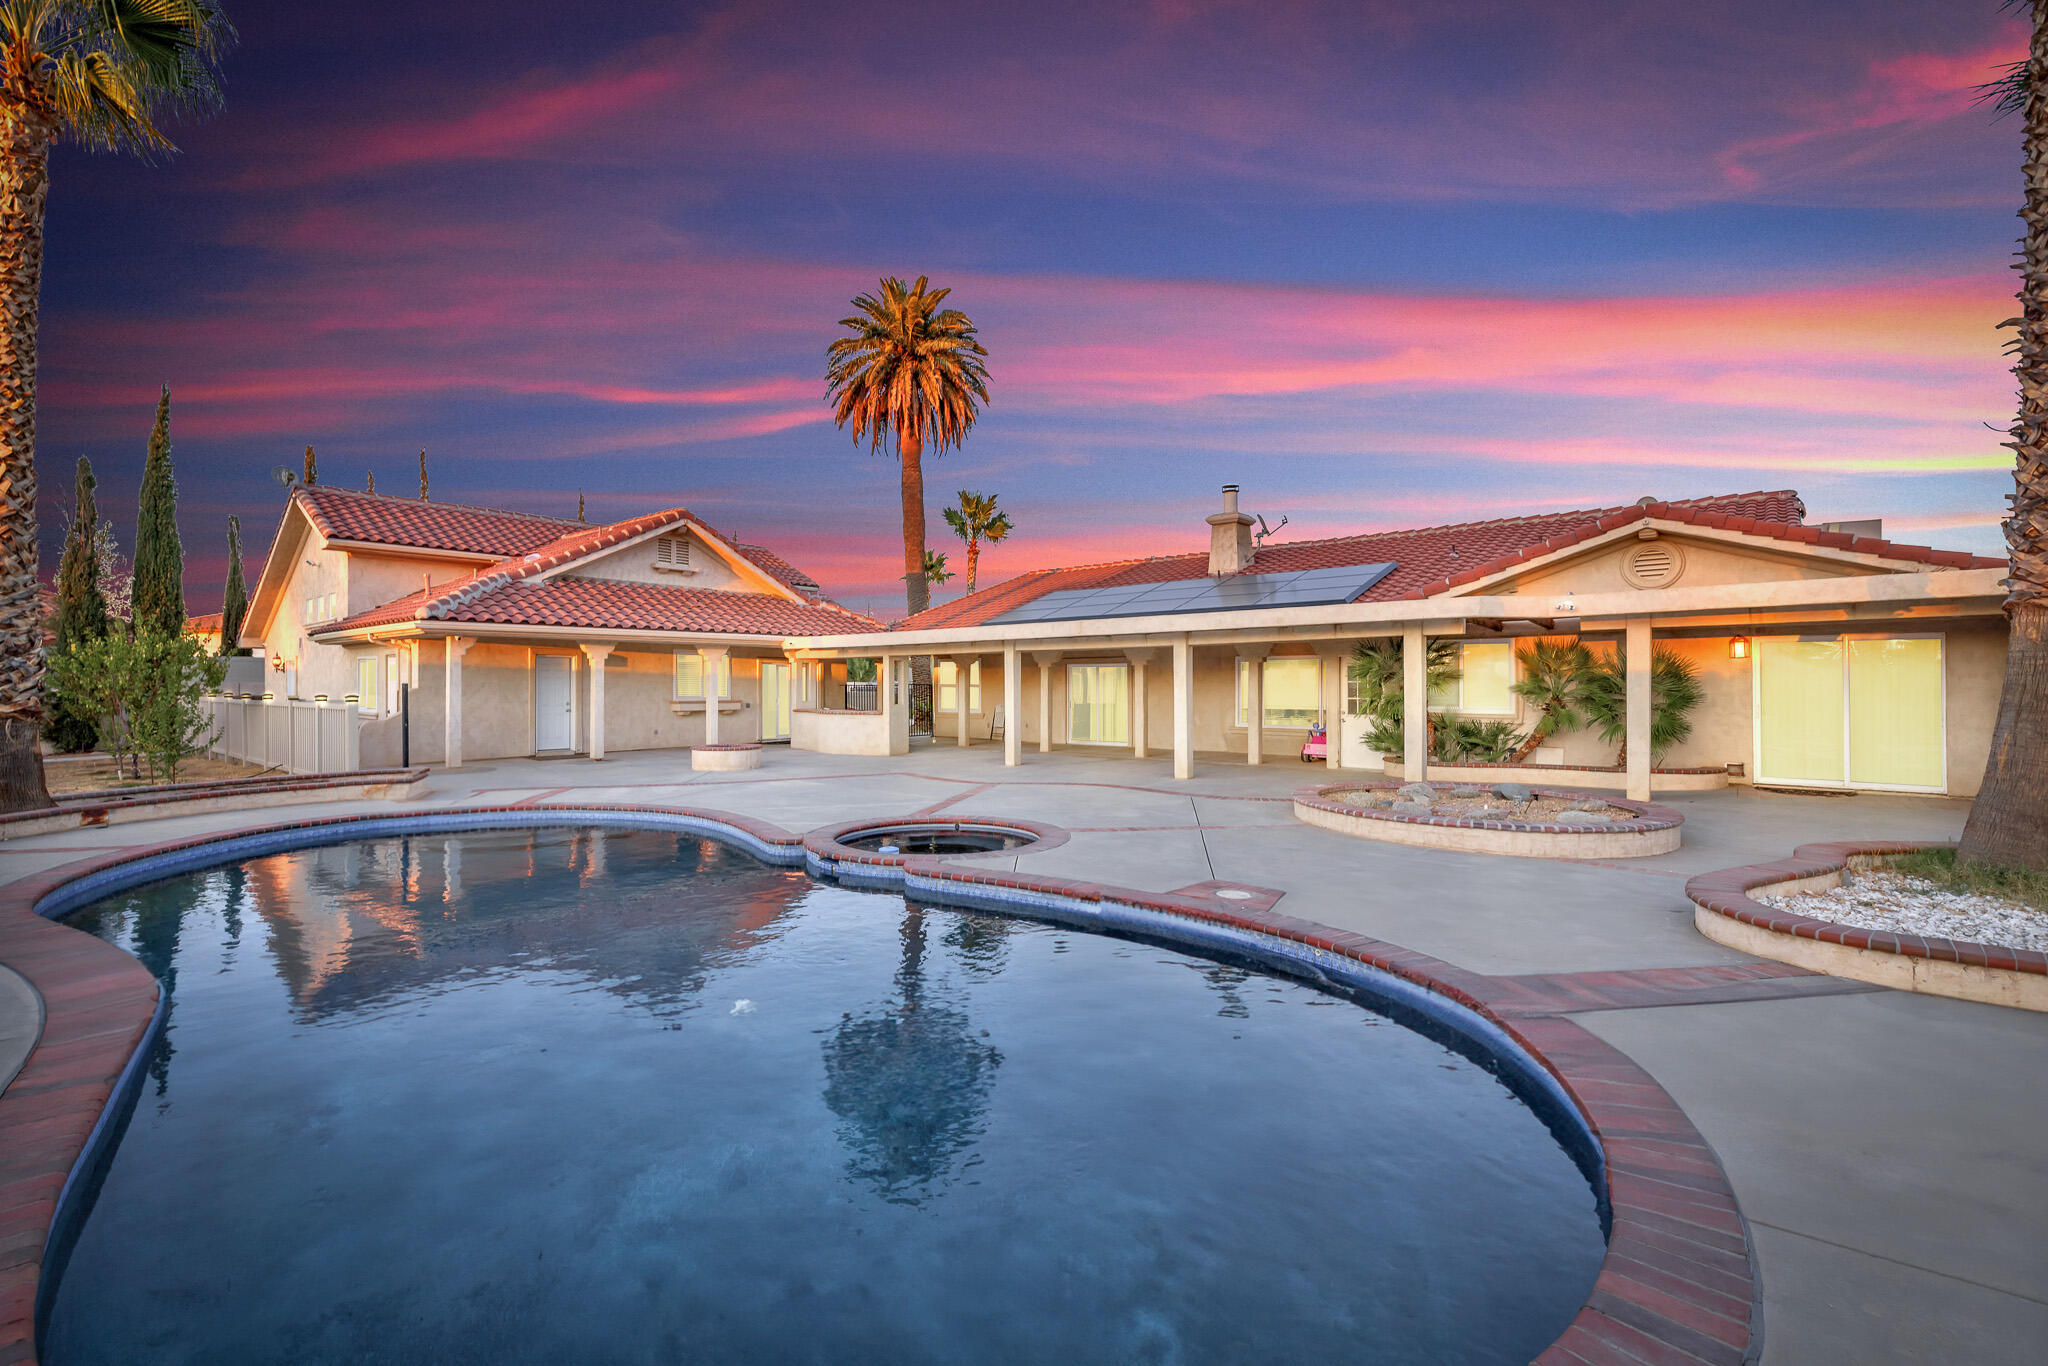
(118, 807)
(1642, 835)
(1677, 1283)
(1911, 962)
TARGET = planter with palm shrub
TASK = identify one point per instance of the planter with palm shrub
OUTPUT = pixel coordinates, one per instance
(1675, 691)
(1553, 683)
(1471, 740)
(1377, 673)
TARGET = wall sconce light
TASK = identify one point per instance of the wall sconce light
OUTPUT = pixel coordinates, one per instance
(1738, 647)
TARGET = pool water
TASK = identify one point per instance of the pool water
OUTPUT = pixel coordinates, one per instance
(629, 1096)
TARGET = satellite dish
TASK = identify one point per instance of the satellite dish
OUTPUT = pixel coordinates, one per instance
(284, 475)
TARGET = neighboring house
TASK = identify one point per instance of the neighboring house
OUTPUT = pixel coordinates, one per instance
(206, 630)
(496, 634)
(1830, 657)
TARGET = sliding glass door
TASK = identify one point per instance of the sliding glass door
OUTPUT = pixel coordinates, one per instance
(1098, 704)
(1858, 712)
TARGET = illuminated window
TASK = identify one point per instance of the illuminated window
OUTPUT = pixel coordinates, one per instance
(690, 674)
(366, 684)
(1484, 688)
(946, 678)
(1290, 692)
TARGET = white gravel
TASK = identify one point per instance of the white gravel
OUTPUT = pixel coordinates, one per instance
(1878, 900)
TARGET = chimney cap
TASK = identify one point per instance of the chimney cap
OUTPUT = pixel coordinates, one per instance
(1230, 488)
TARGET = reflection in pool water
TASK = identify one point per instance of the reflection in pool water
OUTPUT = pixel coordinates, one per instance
(578, 1095)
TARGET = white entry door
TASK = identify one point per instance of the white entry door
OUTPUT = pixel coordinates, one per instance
(774, 700)
(554, 702)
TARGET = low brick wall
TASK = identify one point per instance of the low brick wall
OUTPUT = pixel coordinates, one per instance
(1725, 911)
(119, 806)
(1652, 830)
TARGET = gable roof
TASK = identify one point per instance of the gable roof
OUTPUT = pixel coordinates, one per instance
(375, 519)
(1433, 560)
(520, 590)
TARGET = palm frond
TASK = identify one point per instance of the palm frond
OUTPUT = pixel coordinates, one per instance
(102, 72)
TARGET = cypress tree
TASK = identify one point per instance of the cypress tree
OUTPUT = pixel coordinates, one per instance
(423, 476)
(159, 602)
(235, 601)
(81, 614)
(81, 607)
(312, 474)
(371, 485)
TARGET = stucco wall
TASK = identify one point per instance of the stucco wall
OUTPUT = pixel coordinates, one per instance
(374, 580)
(1706, 563)
(635, 564)
(1975, 662)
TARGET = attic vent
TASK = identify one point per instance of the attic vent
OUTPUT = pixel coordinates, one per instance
(672, 552)
(1653, 564)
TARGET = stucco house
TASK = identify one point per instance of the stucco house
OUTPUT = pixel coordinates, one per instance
(1830, 656)
(471, 633)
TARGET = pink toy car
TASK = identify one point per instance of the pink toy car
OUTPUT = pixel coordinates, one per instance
(1317, 746)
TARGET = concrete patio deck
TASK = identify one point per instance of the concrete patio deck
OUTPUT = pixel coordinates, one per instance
(1885, 1147)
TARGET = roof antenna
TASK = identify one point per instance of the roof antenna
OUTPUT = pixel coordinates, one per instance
(1259, 538)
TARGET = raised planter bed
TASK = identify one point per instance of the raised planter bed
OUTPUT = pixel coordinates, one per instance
(1725, 911)
(1649, 830)
(724, 758)
(1603, 777)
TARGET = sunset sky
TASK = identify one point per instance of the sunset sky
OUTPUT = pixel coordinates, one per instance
(1383, 270)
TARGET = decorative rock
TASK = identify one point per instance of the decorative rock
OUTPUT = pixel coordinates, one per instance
(1417, 792)
(1488, 812)
(1411, 809)
(1574, 817)
(1588, 804)
(1467, 790)
(1515, 792)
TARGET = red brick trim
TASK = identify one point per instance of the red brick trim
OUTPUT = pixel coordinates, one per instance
(721, 748)
(1677, 1284)
(1648, 815)
(1726, 892)
(1581, 768)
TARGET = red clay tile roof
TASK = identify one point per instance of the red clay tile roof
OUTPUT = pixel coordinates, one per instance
(345, 515)
(1432, 560)
(209, 624)
(609, 604)
(500, 593)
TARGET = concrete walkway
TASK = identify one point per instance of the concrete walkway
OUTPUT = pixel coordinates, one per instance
(1886, 1148)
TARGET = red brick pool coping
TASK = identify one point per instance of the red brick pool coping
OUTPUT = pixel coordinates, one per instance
(1677, 1284)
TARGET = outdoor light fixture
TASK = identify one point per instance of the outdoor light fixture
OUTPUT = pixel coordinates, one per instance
(1738, 647)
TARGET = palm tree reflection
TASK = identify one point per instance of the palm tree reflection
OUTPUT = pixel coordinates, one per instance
(912, 1083)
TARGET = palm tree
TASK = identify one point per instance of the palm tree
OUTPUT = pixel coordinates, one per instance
(1378, 670)
(935, 570)
(1553, 682)
(2009, 822)
(975, 520)
(96, 72)
(913, 371)
(1675, 690)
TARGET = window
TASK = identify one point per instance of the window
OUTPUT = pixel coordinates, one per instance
(391, 682)
(690, 674)
(1854, 711)
(366, 684)
(333, 606)
(1290, 691)
(672, 552)
(1098, 704)
(946, 680)
(1484, 689)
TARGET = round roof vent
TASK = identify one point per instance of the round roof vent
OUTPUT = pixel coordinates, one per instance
(1653, 564)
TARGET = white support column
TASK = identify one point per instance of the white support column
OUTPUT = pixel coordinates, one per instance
(1254, 703)
(962, 666)
(1045, 659)
(596, 654)
(710, 657)
(1638, 734)
(1414, 705)
(451, 705)
(1140, 662)
(1183, 708)
(1013, 700)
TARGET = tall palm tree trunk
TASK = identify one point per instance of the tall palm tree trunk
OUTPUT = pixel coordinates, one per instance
(973, 560)
(2009, 823)
(917, 590)
(24, 187)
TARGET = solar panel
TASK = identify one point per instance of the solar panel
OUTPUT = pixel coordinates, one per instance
(1240, 593)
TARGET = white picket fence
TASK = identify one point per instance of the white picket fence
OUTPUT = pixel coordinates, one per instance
(284, 733)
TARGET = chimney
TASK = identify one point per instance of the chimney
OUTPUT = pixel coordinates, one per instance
(1230, 537)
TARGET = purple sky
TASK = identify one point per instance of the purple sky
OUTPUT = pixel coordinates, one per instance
(1381, 269)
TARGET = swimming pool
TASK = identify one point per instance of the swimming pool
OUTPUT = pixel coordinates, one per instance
(632, 1095)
